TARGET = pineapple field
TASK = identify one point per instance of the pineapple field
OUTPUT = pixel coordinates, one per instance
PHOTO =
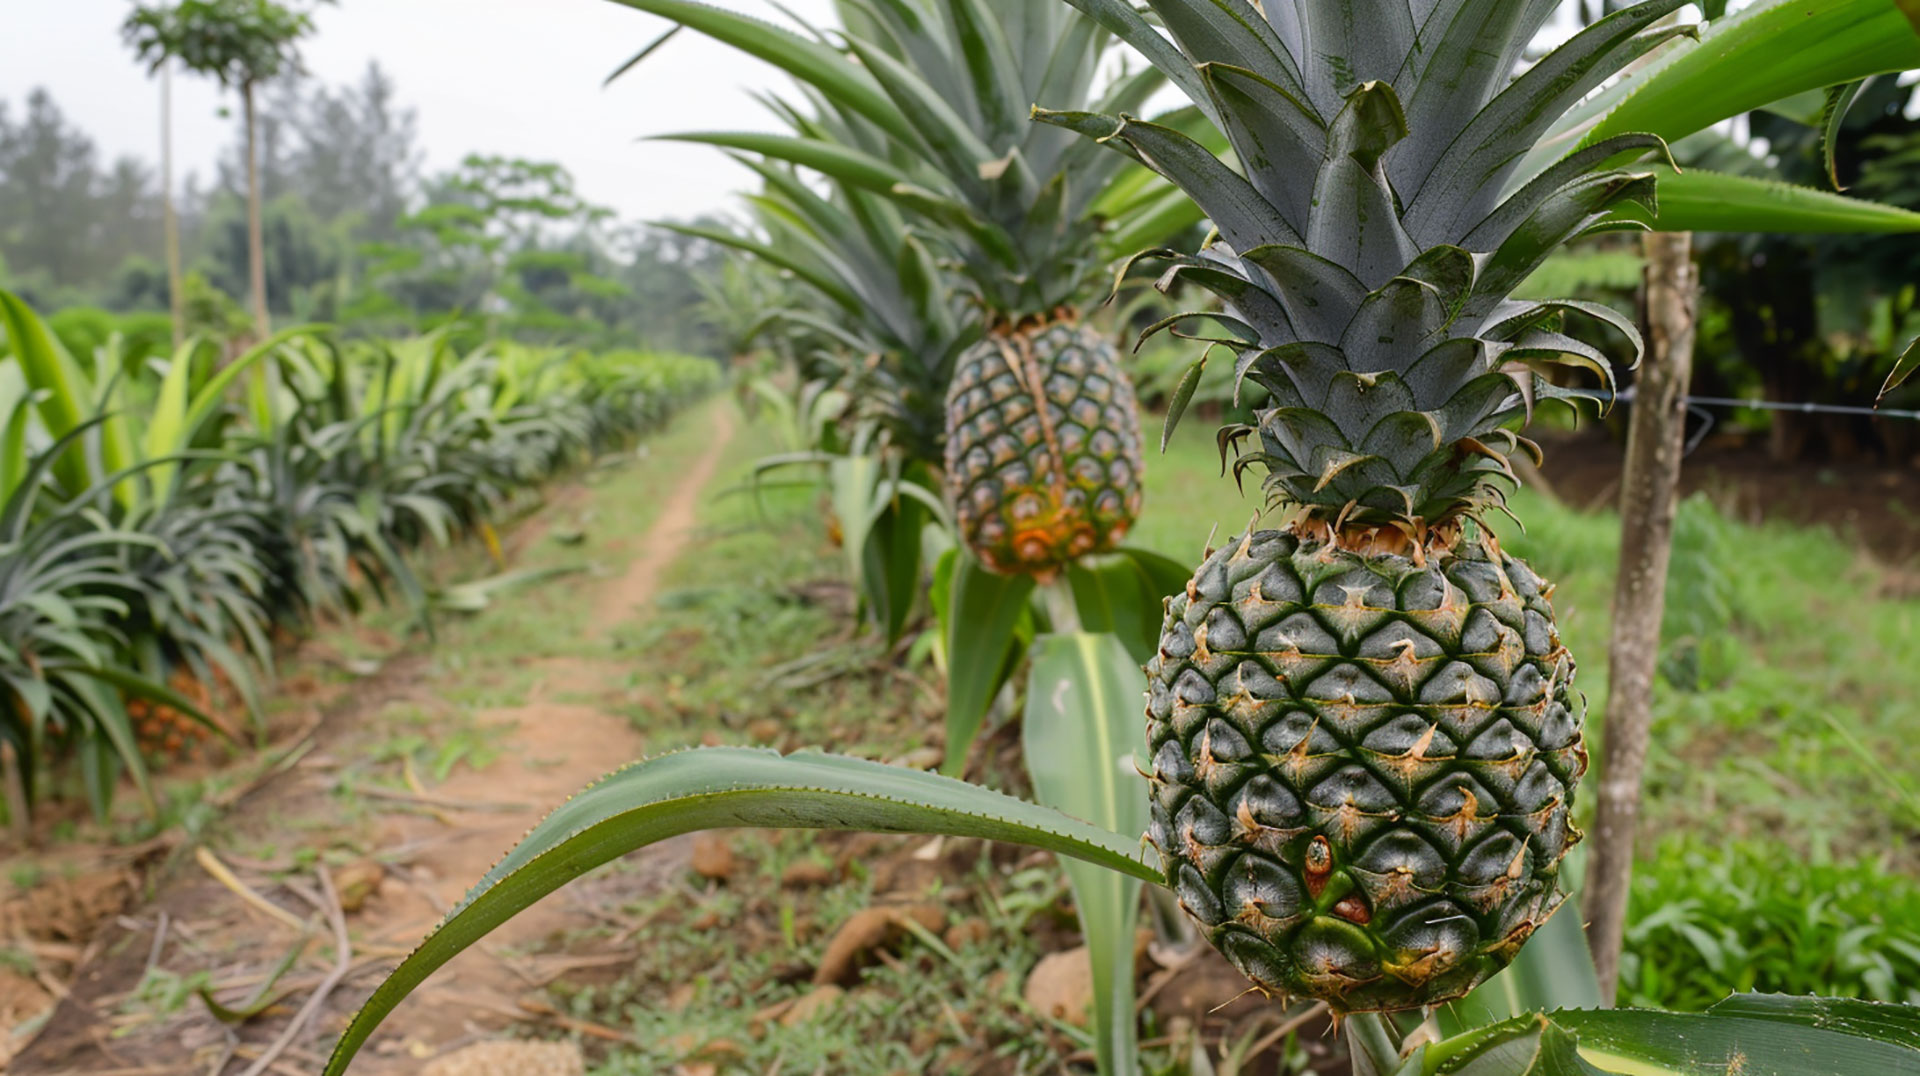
(1180, 538)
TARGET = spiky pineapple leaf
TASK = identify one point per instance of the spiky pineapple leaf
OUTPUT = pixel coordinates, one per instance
(1700, 201)
(812, 62)
(1766, 52)
(1755, 1036)
(1903, 368)
(1182, 396)
(983, 614)
(1081, 735)
(719, 788)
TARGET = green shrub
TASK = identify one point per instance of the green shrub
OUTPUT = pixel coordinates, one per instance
(1708, 921)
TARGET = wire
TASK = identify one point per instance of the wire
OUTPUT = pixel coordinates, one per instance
(1626, 395)
(1698, 405)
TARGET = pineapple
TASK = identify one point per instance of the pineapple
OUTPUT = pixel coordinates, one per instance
(1364, 735)
(1043, 448)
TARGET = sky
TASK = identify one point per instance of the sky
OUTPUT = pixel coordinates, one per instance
(511, 77)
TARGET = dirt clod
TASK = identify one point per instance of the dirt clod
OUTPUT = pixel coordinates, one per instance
(1061, 986)
(806, 873)
(868, 930)
(713, 857)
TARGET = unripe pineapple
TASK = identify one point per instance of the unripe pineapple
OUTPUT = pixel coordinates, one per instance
(1043, 448)
(1363, 762)
(1364, 733)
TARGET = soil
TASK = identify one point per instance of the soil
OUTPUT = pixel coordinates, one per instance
(1874, 505)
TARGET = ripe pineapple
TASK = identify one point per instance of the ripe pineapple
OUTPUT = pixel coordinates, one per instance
(1043, 447)
(1365, 742)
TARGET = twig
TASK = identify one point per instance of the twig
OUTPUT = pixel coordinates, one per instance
(436, 802)
(328, 902)
(212, 865)
(159, 943)
(1311, 1013)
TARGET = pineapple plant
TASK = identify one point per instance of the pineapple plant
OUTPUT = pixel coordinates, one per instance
(1365, 741)
(1041, 437)
(1364, 738)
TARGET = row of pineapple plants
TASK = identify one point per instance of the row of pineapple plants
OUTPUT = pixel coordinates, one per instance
(161, 533)
(1361, 742)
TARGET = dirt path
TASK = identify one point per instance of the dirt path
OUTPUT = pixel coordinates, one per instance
(549, 751)
(416, 858)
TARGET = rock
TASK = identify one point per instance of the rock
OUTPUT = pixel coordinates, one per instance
(510, 1059)
(713, 856)
(867, 930)
(811, 1006)
(1061, 986)
(807, 874)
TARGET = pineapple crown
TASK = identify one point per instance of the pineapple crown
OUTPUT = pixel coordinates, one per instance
(1387, 200)
(926, 102)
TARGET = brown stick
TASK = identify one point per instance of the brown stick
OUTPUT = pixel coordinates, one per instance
(1649, 495)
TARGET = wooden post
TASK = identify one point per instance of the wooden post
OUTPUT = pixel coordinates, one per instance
(1649, 496)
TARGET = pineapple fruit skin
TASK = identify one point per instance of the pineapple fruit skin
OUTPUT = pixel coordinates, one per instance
(1043, 448)
(1363, 766)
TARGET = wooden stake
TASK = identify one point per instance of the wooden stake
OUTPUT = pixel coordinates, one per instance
(1649, 497)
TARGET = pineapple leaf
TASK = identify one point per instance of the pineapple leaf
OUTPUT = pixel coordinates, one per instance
(1120, 18)
(1273, 131)
(1833, 113)
(1081, 736)
(1754, 1034)
(664, 797)
(1903, 368)
(982, 617)
(1182, 396)
(1700, 201)
(809, 61)
(1766, 52)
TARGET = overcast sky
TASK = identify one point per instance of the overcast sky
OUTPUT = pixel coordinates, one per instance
(513, 77)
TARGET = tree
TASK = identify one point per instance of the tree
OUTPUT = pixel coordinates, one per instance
(240, 43)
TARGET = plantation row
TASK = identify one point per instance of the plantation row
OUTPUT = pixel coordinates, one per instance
(160, 525)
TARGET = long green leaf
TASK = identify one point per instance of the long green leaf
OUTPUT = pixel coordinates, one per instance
(1701, 201)
(1753, 1037)
(809, 61)
(65, 403)
(982, 614)
(721, 788)
(1774, 49)
(1083, 729)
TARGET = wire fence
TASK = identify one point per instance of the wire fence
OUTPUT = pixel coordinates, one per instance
(1700, 405)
